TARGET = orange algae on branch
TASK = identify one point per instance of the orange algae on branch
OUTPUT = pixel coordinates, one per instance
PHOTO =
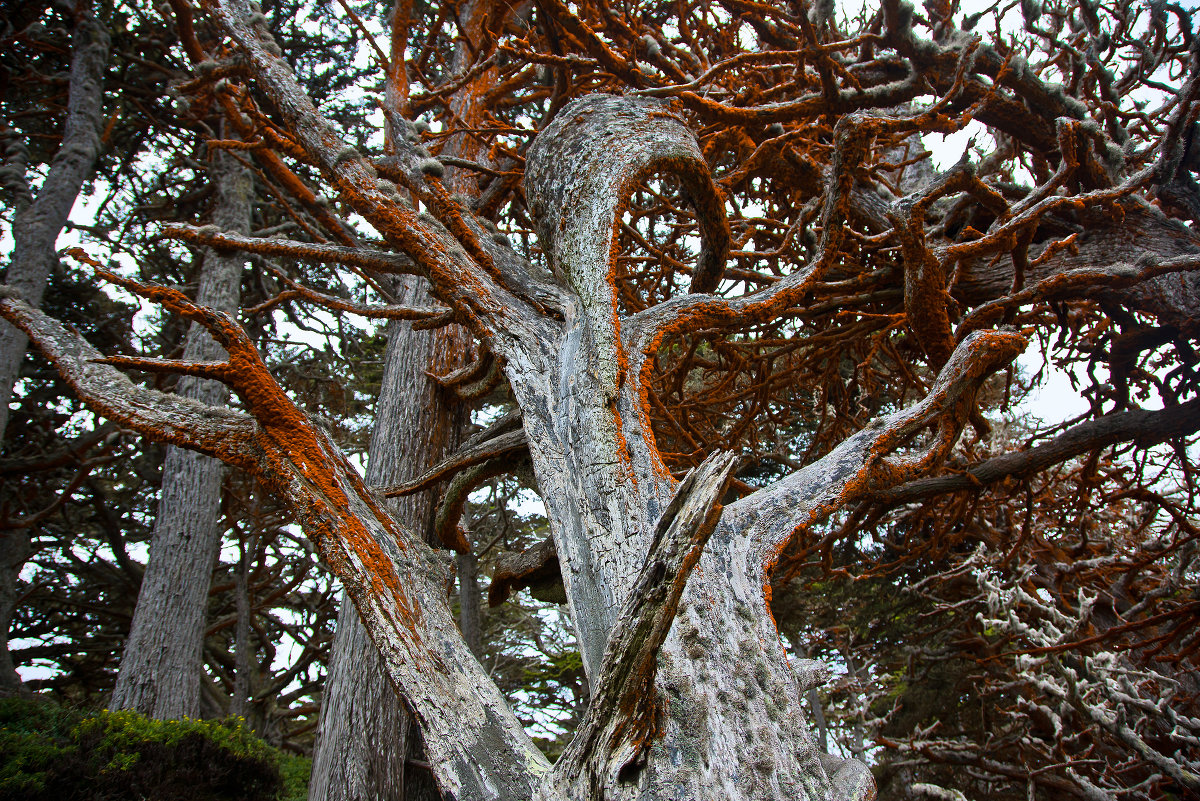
(287, 437)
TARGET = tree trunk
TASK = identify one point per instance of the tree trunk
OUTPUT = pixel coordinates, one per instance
(161, 666)
(693, 696)
(16, 549)
(38, 224)
(415, 428)
(35, 230)
(470, 616)
(243, 684)
(363, 743)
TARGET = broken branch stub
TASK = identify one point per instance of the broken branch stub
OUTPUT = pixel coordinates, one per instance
(620, 722)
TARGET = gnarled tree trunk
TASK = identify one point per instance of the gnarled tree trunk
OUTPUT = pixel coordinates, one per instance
(692, 694)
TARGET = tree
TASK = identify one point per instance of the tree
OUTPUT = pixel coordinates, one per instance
(161, 666)
(37, 223)
(739, 244)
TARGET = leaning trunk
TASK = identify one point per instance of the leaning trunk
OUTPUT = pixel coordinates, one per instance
(35, 230)
(161, 667)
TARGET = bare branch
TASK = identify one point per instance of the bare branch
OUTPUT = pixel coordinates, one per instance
(860, 466)
(1143, 427)
(218, 432)
(372, 260)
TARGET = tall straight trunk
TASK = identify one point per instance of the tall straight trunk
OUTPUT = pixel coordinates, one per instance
(36, 227)
(470, 617)
(243, 686)
(367, 735)
(16, 548)
(365, 730)
(161, 667)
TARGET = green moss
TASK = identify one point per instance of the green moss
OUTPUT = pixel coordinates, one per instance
(52, 753)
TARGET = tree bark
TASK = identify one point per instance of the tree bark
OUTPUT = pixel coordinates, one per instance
(160, 669)
(35, 230)
(477, 748)
(16, 548)
(366, 733)
(363, 743)
(470, 616)
(243, 684)
(695, 697)
(38, 224)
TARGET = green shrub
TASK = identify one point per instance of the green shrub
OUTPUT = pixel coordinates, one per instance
(53, 754)
(295, 771)
(34, 745)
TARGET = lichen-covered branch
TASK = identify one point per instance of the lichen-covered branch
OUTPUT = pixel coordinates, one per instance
(477, 747)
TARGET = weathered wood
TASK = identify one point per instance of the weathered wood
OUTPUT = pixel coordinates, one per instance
(507, 444)
(417, 423)
(601, 478)
(694, 695)
(610, 743)
(536, 566)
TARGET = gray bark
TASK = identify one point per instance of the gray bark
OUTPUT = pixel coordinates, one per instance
(699, 699)
(476, 746)
(243, 686)
(35, 229)
(469, 613)
(364, 733)
(695, 698)
(36, 226)
(161, 666)
(15, 548)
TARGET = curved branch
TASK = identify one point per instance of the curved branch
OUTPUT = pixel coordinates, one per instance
(490, 306)
(853, 137)
(860, 466)
(424, 316)
(581, 170)
(536, 566)
(507, 444)
(477, 747)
